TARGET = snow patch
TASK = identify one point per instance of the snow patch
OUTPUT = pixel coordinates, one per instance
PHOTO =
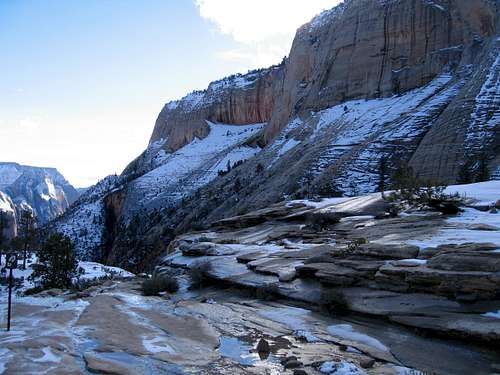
(493, 314)
(157, 345)
(340, 368)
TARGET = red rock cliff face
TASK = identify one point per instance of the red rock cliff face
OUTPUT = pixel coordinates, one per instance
(239, 100)
(373, 48)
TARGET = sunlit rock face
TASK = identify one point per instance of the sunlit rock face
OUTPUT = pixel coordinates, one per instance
(44, 191)
(238, 100)
(7, 217)
(370, 49)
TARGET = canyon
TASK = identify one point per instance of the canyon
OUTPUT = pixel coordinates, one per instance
(368, 87)
(278, 189)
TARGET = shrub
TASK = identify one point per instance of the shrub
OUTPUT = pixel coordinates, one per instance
(158, 284)
(353, 245)
(199, 274)
(417, 193)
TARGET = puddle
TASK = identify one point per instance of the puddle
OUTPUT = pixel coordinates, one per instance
(238, 351)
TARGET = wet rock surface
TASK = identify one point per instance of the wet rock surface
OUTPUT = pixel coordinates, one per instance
(213, 331)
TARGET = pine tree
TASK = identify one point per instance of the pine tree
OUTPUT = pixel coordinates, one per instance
(466, 172)
(27, 229)
(57, 264)
(382, 175)
(482, 172)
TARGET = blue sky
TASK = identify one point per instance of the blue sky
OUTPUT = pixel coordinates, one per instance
(83, 80)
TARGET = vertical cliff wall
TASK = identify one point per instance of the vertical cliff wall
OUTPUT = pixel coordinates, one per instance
(370, 49)
(237, 100)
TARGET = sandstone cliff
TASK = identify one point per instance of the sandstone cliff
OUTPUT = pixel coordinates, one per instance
(238, 100)
(370, 49)
(368, 86)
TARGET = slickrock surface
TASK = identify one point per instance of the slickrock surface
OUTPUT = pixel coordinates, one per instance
(113, 329)
(360, 264)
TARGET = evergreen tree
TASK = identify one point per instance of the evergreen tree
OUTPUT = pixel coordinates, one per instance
(237, 185)
(57, 264)
(27, 233)
(482, 172)
(382, 174)
(466, 172)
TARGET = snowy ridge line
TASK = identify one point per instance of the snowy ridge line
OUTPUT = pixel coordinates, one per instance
(202, 98)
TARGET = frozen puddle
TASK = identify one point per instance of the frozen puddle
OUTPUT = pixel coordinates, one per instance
(238, 351)
(48, 356)
(294, 318)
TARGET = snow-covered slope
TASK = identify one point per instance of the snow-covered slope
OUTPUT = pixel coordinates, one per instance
(84, 223)
(43, 190)
(194, 165)
(166, 178)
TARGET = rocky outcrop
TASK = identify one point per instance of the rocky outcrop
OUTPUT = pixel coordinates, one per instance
(8, 217)
(358, 263)
(238, 100)
(41, 190)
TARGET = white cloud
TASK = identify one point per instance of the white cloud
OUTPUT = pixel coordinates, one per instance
(29, 124)
(264, 28)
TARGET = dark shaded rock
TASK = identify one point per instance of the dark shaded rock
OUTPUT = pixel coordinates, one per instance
(446, 208)
(367, 363)
(205, 249)
(473, 246)
(263, 346)
(286, 359)
(476, 284)
(292, 364)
